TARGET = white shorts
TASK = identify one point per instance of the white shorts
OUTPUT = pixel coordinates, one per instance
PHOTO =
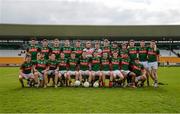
(96, 73)
(26, 76)
(62, 72)
(116, 72)
(106, 72)
(84, 72)
(153, 65)
(72, 72)
(51, 72)
(145, 64)
(125, 72)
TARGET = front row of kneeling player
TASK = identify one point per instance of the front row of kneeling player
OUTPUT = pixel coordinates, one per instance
(85, 71)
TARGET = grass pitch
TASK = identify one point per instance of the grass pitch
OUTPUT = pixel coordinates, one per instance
(166, 98)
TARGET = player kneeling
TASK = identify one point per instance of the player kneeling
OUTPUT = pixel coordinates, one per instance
(140, 72)
(40, 70)
(62, 68)
(52, 71)
(73, 71)
(96, 69)
(105, 67)
(26, 71)
(115, 66)
(84, 73)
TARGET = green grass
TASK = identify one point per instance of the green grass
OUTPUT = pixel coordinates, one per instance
(166, 98)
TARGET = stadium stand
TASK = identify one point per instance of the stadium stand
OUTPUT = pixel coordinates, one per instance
(15, 37)
(167, 53)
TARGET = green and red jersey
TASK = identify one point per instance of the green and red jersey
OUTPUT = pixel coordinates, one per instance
(73, 63)
(26, 67)
(33, 50)
(52, 64)
(124, 53)
(40, 65)
(63, 64)
(56, 51)
(106, 49)
(152, 54)
(96, 63)
(78, 51)
(115, 63)
(105, 64)
(66, 50)
(125, 62)
(84, 64)
(114, 49)
(143, 51)
(46, 51)
(137, 68)
(133, 52)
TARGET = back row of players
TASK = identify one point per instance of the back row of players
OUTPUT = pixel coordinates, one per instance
(125, 62)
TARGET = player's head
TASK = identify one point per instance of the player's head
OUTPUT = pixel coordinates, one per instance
(38, 56)
(52, 56)
(124, 46)
(73, 55)
(115, 54)
(42, 55)
(142, 43)
(97, 44)
(105, 55)
(88, 44)
(66, 43)
(78, 43)
(62, 55)
(152, 43)
(28, 58)
(106, 42)
(56, 42)
(131, 43)
(115, 45)
(45, 43)
(33, 41)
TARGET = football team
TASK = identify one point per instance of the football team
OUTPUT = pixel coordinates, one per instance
(93, 63)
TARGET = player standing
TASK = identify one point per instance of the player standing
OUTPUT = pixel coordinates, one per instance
(66, 49)
(78, 49)
(33, 49)
(153, 58)
(143, 52)
(45, 49)
(56, 48)
(89, 50)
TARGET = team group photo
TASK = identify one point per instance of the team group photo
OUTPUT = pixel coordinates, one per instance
(89, 56)
(90, 63)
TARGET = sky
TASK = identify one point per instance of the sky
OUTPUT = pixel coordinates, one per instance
(90, 12)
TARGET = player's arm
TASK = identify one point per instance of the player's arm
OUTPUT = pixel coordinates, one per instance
(143, 71)
(158, 55)
(21, 68)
